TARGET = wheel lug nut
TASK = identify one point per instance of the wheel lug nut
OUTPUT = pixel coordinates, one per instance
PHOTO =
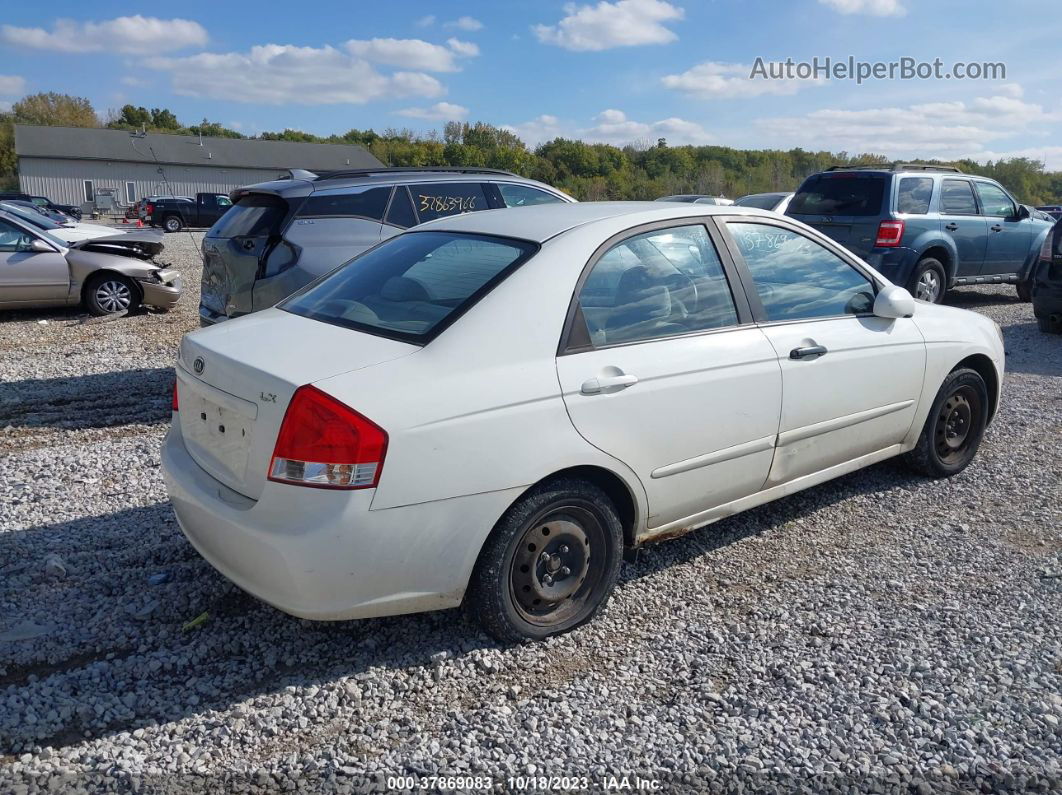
(544, 557)
(565, 571)
(547, 579)
(564, 549)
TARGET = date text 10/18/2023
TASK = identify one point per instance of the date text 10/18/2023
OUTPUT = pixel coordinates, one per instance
(616, 783)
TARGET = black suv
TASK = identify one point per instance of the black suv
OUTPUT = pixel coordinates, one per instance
(928, 228)
(1047, 283)
(281, 235)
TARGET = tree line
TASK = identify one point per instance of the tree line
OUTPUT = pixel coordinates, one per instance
(588, 171)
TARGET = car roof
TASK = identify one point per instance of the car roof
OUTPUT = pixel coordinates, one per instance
(298, 186)
(540, 222)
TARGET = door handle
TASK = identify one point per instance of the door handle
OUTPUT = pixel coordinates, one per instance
(597, 385)
(996, 228)
(808, 351)
(951, 227)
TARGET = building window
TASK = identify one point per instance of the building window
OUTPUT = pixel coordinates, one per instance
(90, 191)
(130, 192)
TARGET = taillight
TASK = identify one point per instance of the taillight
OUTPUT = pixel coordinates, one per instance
(149, 209)
(890, 233)
(326, 444)
(174, 394)
(1045, 249)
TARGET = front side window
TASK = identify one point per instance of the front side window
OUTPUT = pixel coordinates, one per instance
(14, 239)
(525, 196)
(224, 201)
(411, 286)
(797, 278)
(995, 201)
(440, 199)
(368, 203)
(840, 193)
(957, 197)
(913, 195)
(656, 284)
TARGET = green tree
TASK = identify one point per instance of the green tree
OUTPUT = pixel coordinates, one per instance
(56, 110)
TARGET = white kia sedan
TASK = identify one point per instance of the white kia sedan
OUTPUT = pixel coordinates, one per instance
(492, 407)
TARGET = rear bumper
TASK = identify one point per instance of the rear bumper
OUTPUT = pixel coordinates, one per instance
(325, 555)
(894, 263)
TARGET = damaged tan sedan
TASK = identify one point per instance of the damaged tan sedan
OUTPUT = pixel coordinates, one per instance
(108, 275)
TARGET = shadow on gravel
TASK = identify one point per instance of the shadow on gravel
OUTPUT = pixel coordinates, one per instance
(113, 655)
(973, 298)
(1031, 351)
(88, 401)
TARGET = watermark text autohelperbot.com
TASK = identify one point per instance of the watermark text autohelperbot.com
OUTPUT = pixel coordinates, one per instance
(905, 68)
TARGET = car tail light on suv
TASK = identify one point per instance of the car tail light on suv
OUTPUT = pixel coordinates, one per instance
(890, 233)
(174, 406)
(326, 444)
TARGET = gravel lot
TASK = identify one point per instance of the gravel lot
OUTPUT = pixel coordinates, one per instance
(879, 633)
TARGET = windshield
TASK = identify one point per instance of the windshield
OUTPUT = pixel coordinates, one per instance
(762, 201)
(842, 193)
(412, 286)
(31, 216)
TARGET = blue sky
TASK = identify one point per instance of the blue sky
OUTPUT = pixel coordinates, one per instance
(616, 71)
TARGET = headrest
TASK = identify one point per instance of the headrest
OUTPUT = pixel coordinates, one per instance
(402, 288)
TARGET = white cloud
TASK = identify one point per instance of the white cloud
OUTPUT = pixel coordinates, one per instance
(715, 80)
(470, 24)
(440, 111)
(277, 74)
(625, 23)
(412, 53)
(136, 35)
(876, 8)
(539, 130)
(1051, 156)
(932, 129)
(135, 82)
(11, 85)
(425, 22)
(614, 127)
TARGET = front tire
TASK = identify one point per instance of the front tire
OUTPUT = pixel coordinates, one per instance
(111, 294)
(550, 563)
(954, 428)
(172, 223)
(929, 281)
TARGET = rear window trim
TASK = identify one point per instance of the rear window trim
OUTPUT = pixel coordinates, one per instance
(422, 340)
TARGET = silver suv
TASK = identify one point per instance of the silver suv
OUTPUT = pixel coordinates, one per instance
(281, 235)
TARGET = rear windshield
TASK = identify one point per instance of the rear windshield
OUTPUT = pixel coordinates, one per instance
(412, 286)
(762, 201)
(254, 215)
(839, 194)
(31, 217)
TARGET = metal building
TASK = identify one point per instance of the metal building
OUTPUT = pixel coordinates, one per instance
(76, 165)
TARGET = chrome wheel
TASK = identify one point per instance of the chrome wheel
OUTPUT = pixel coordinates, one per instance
(172, 225)
(113, 296)
(927, 288)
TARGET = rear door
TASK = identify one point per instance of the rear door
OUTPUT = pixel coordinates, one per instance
(844, 205)
(28, 276)
(850, 381)
(235, 248)
(663, 370)
(1009, 237)
(961, 219)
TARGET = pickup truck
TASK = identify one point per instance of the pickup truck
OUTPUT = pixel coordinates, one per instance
(175, 213)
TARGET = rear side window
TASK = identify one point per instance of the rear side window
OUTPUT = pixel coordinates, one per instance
(839, 194)
(914, 194)
(254, 215)
(957, 197)
(412, 286)
(438, 200)
(400, 213)
(367, 203)
(525, 196)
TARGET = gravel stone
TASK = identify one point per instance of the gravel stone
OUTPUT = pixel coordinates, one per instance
(880, 633)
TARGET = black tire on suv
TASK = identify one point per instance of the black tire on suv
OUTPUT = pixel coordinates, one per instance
(172, 223)
(929, 282)
(1024, 290)
(1049, 326)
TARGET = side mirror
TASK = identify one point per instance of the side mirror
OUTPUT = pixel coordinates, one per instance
(40, 246)
(1023, 212)
(894, 302)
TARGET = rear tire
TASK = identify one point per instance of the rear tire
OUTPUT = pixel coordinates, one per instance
(1049, 326)
(954, 428)
(172, 223)
(111, 294)
(550, 563)
(929, 282)
(1024, 290)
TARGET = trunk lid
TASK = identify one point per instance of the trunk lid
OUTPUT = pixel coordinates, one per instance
(235, 381)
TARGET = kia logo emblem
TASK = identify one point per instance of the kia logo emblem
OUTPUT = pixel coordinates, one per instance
(198, 365)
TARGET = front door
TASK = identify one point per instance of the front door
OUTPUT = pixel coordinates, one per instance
(850, 380)
(28, 276)
(960, 220)
(661, 373)
(1009, 237)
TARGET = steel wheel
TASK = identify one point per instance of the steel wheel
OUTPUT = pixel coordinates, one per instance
(113, 296)
(554, 570)
(955, 420)
(927, 288)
